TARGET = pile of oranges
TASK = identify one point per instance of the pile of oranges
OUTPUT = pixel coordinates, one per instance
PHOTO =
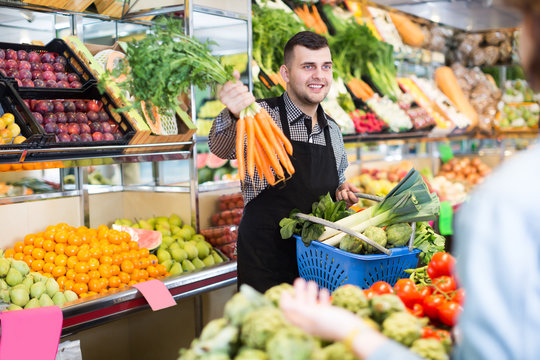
(87, 261)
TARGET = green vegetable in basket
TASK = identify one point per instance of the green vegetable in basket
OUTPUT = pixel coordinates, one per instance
(398, 234)
(350, 297)
(429, 242)
(402, 327)
(376, 234)
(351, 244)
(430, 349)
(384, 305)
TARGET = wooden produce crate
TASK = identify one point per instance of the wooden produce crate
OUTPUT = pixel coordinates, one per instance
(116, 8)
(58, 4)
(78, 5)
(144, 135)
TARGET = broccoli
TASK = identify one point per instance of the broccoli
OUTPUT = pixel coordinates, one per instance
(335, 351)
(398, 234)
(384, 305)
(242, 303)
(376, 234)
(349, 297)
(291, 343)
(351, 244)
(274, 293)
(402, 327)
(251, 354)
(260, 325)
(430, 349)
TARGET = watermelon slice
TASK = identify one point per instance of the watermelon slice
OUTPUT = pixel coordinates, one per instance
(149, 239)
(233, 163)
(201, 160)
(214, 162)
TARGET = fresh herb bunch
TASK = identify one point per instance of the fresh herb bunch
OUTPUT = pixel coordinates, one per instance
(428, 241)
(165, 63)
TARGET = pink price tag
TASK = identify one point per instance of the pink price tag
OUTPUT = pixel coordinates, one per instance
(30, 334)
(156, 294)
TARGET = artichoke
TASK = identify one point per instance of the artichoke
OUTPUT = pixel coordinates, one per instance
(350, 297)
(430, 349)
(251, 354)
(335, 351)
(274, 293)
(402, 327)
(351, 244)
(291, 343)
(260, 325)
(242, 303)
(398, 234)
(376, 234)
(384, 305)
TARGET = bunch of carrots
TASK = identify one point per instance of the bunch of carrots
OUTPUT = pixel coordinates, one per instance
(311, 19)
(360, 89)
(262, 147)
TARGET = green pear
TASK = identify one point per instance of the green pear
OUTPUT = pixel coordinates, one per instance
(175, 229)
(163, 230)
(13, 307)
(209, 260)
(38, 277)
(33, 303)
(203, 249)
(191, 250)
(181, 243)
(162, 220)
(175, 220)
(217, 258)
(124, 222)
(20, 265)
(168, 264)
(4, 267)
(37, 289)
(70, 295)
(19, 296)
(4, 295)
(198, 237)
(174, 245)
(59, 299)
(52, 287)
(45, 300)
(178, 254)
(136, 226)
(163, 255)
(185, 234)
(3, 284)
(198, 263)
(14, 277)
(190, 229)
(145, 225)
(168, 240)
(28, 281)
(176, 269)
(152, 222)
(187, 265)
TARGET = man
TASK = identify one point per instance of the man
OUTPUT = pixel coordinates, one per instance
(319, 159)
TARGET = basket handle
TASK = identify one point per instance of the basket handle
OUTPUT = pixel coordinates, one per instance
(346, 230)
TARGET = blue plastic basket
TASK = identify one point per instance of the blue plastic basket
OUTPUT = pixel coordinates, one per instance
(330, 267)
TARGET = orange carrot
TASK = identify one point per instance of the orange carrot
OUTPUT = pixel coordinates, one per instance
(270, 152)
(240, 132)
(278, 147)
(263, 165)
(276, 130)
(319, 20)
(250, 132)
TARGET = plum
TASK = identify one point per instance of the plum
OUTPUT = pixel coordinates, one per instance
(61, 118)
(49, 118)
(97, 136)
(2, 63)
(46, 67)
(103, 116)
(38, 117)
(60, 60)
(44, 106)
(3, 72)
(28, 103)
(114, 126)
(75, 137)
(13, 73)
(50, 128)
(86, 137)
(106, 127)
(73, 77)
(47, 58)
(2, 54)
(24, 65)
(85, 128)
(35, 66)
(19, 82)
(28, 83)
(81, 118)
(61, 76)
(69, 106)
(37, 74)
(49, 75)
(74, 128)
(33, 57)
(11, 54)
(95, 127)
(63, 84)
(11, 65)
(64, 138)
(117, 135)
(22, 55)
(80, 105)
(58, 106)
(59, 67)
(39, 83)
(51, 84)
(108, 137)
(92, 106)
(25, 74)
(92, 115)
(75, 85)
(62, 128)
(71, 118)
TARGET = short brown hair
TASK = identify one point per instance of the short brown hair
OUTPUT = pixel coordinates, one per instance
(307, 39)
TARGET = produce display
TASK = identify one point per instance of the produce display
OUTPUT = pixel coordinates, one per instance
(25, 186)
(33, 69)
(487, 48)
(212, 168)
(472, 170)
(22, 288)
(87, 261)
(227, 217)
(10, 132)
(518, 116)
(221, 235)
(366, 122)
(74, 120)
(453, 192)
(518, 91)
(230, 201)
(390, 112)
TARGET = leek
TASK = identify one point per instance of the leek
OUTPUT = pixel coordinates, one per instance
(409, 201)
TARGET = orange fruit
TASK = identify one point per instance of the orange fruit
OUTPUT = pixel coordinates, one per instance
(29, 239)
(62, 226)
(83, 255)
(82, 230)
(70, 274)
(124, 246)
(38, 253)
(144, 252)
(48, 267)
(145, 262)
(143, 275)
(104, 283)
(58, 271)
(84, 247)
(124, 236)
(48, 245)
(162, 269)
(81, 267)
(18, 247)
(136, 275)
(114, 237)
(93, 264)
(124, 277)
(71, 261)
(49, 234)
(27, 249)
(114, 282)
(117, 259)
(68, 285)
(127, 266)
(61, 281)
(74, 239)
(107, 250)
(152, 271)
(61, 260)
(94, 274)
(91, 293)
(94, 285)
(38, 242)
(28, 259)
(153, 259)
(9, 253)
(37, 265)
(95, 252)
(71, 250)
(59, 248)
(82, 278)
(18, 256)
(133, 245)
(105, 270)
(105, 260)
(61, 237)
(49, 257)
(80, 288)
(115, 270)
(131, 282)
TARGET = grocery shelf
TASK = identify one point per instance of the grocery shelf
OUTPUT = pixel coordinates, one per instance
(96, 310)
(219, 185)
(40, 196)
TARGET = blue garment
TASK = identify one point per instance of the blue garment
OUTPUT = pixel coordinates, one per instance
(498, 252)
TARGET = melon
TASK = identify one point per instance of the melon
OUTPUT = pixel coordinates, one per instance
(214, 162)
(151, 116)
(205, 174)
(219, 173)
(201, 160)
(148, 239)
(233, 163)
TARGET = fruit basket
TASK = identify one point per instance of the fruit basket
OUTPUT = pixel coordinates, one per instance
(221, 235)
(55, 65)
(83, 108)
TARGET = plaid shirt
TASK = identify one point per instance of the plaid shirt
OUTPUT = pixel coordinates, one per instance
(223, 134)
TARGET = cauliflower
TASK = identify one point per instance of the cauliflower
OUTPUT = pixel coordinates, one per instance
(291, 343)
(351, 244)
(402, 327)
(274, 293)
(335, 351)
(260, 325)
(384, 305)
(242, 303)
(251, 354)
(398, 234)
(349, 297)
(376, 234)
(430, 349)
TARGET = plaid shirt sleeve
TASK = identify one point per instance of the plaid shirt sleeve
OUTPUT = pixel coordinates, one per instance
(221, 139)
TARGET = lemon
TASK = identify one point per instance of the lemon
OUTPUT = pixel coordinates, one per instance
(2, 123)
(8, 118)
(15, 129)
(19, 139)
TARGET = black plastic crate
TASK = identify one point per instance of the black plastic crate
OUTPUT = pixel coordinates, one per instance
(90, 93)
(73, 65)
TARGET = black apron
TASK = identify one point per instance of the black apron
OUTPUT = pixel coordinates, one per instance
(264, 258)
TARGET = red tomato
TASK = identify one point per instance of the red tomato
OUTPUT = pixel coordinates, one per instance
(431, 305)
(382, 287)
(429, 332)
(459, 296)
(442, 334)
(406, 290)
(424, 292)
(449, 312)
(442, 263)
(369, 293)
(417, 310)
(445, 283)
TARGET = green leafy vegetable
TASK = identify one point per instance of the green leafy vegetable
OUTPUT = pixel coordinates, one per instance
(428, 242)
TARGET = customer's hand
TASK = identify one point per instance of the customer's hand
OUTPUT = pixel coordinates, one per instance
(346, 192)
(236, 96)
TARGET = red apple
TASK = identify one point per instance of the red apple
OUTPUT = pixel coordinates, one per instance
(61, 76)
(63, 84)
(49, 75)
(11, 65)
(108, 137)
(103, 116)
(61, 60)
(64, 137)
(61, 118)
(75, 137)
(49, 118)
(22, 55)
(80, 105)
(43, 106)
(51, 84)
(59, 67)
(69, 106)
(92, 115)
(95, 127)
(39, 83)
(106, 127)
(92, 105)
(71, 118)
(47, 58)
(73, 77)
(25, 74)
(81, 118)
(85, 129)
(50, 128)
(13, 73)
(37, 74)
(38, 117)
